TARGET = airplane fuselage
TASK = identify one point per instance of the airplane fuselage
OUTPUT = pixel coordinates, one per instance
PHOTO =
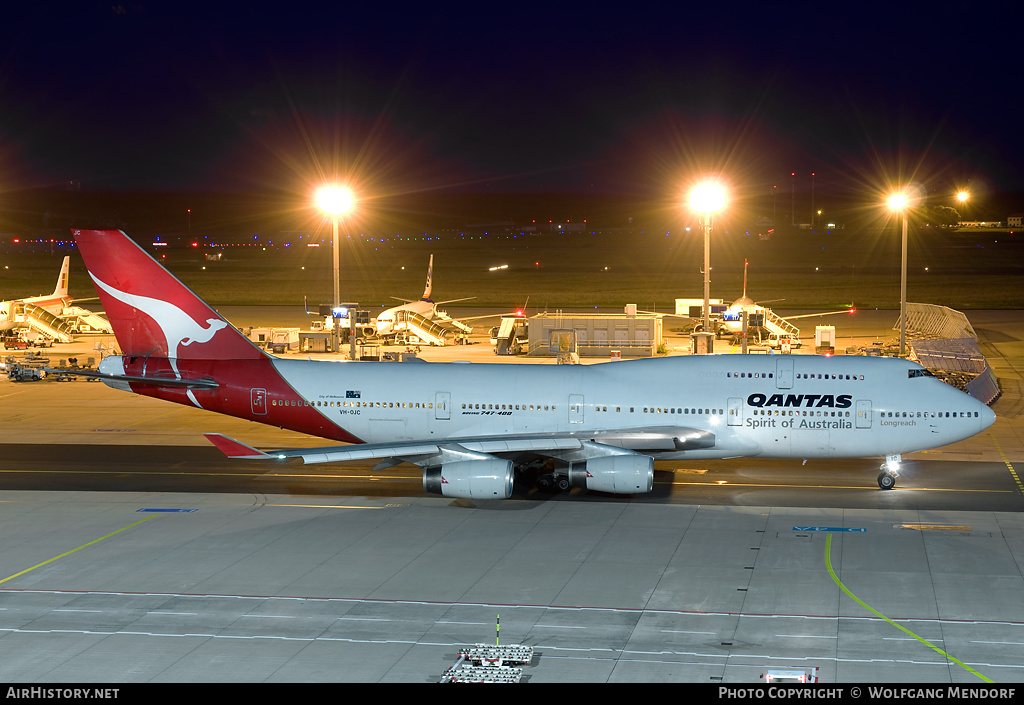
(738, 405)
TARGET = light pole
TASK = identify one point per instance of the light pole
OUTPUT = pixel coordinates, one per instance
(792, 205)
(898, 202)
(335, 201)
(962, 197)
(707, 198)
(774, 215)
(812, 200)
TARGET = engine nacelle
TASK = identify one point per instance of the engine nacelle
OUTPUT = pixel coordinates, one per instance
(471, 479)
(619, 474)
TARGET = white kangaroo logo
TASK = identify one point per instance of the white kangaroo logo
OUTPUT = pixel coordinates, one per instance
(177, 326)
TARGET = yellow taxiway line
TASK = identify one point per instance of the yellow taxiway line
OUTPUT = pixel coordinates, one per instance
(68, 553)
(835, 578)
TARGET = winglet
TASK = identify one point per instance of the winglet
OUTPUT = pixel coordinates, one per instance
(233, 449)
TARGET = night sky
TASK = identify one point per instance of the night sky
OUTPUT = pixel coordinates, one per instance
(400, 98)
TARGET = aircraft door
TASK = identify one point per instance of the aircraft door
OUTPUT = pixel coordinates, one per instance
(784, 372)
(863, 413)
(258, 398)
(442, 405)
(735, 411)
(575, 408)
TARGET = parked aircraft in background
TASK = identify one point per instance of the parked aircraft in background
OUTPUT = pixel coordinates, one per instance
(732, 318)
(52, 303)
(395, 321)
(51, 315)
(471, 427)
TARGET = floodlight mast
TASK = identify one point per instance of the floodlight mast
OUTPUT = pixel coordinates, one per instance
(898, 203)
(962, 197)
(335, 201)
(707, 198)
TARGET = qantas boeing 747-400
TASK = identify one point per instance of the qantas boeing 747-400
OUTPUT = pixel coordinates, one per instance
(471, 426)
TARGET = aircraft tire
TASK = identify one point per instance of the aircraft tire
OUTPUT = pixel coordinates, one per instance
(886, 480)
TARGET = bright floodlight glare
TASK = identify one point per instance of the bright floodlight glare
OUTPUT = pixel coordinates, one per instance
(897, 201)
(707, 198)
(963, 196)
(334, 200)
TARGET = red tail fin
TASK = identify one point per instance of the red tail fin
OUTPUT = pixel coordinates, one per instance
(153, 313)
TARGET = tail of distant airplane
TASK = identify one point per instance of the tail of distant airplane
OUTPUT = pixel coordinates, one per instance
(61, 290)
(151, 312)
(430, 272)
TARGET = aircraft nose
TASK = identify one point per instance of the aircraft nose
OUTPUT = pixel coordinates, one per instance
(988, 417)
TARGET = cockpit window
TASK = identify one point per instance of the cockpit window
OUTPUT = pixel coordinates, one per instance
(919, 373)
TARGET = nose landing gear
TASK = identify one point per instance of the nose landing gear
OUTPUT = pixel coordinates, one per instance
(890, 471)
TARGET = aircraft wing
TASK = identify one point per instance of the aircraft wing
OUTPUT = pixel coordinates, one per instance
(488, 315)
(667, 315)
(566, 446)
(373, 451)
(815, 315)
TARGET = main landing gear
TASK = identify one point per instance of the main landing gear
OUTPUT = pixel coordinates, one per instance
(890, 471)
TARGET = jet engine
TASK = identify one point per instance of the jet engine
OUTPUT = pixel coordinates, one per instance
(620, 474)
(471, 479)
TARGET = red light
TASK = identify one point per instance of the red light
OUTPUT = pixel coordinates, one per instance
(853, 310)
(519, 312)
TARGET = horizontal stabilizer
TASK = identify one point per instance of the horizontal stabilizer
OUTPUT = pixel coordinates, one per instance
(233, 449)
(138, 379)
